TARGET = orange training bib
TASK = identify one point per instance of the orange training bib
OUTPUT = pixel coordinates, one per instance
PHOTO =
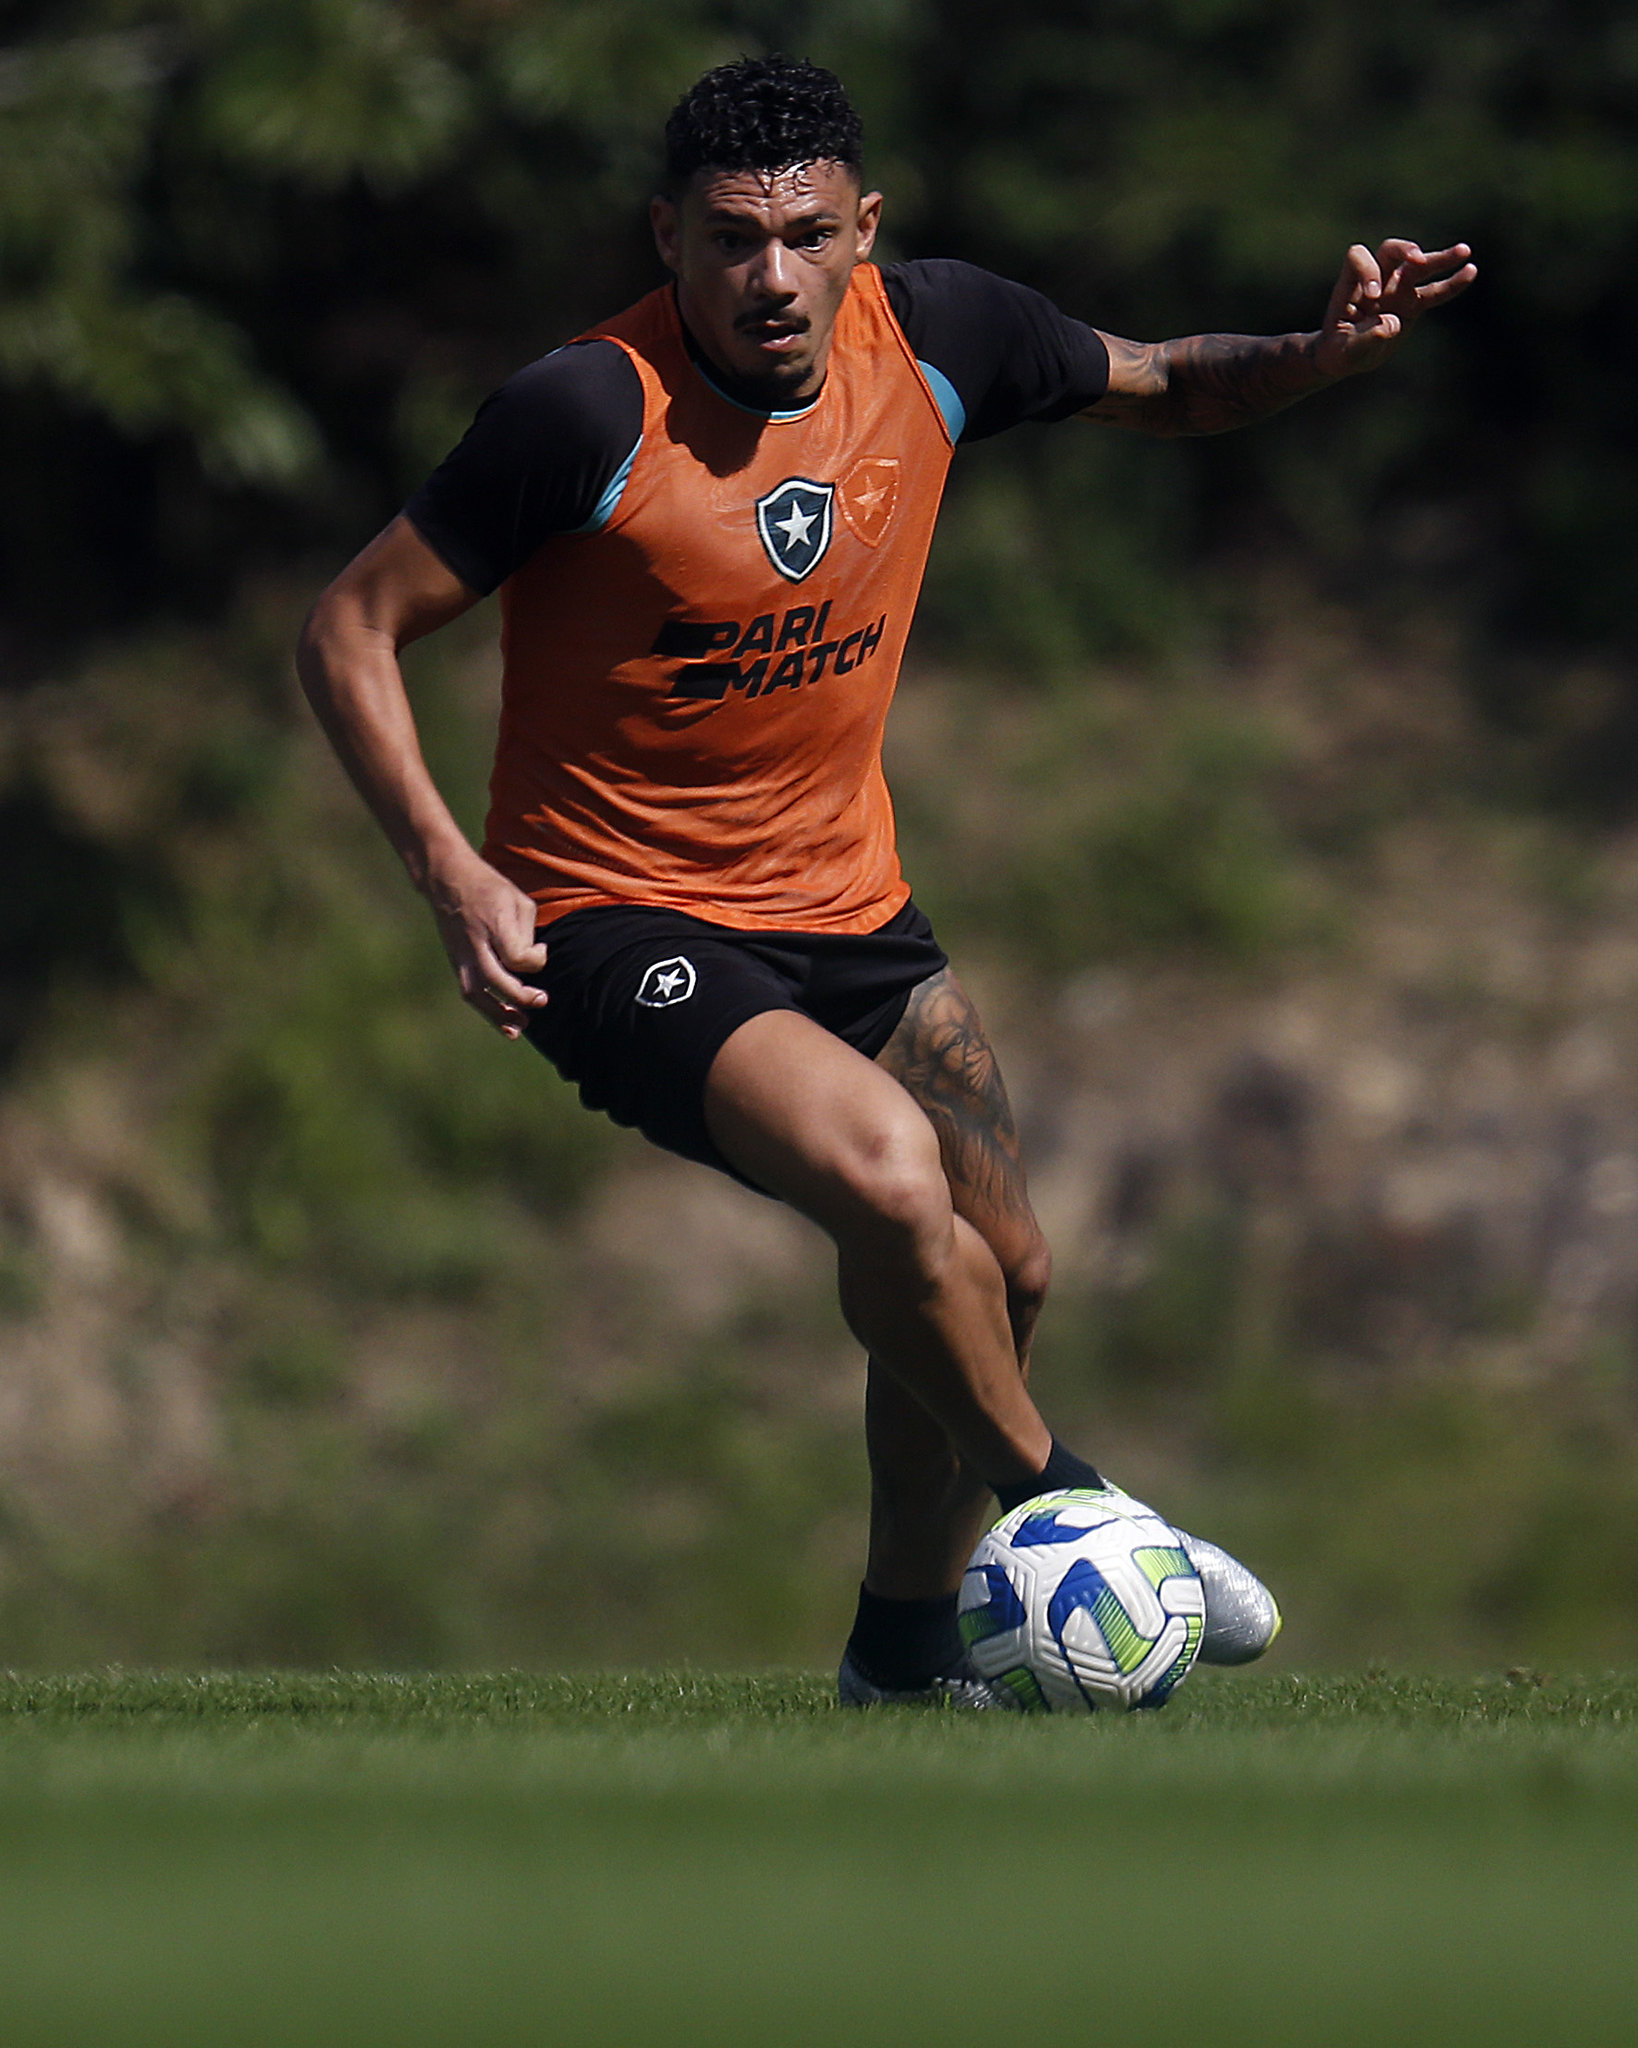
(695, 696)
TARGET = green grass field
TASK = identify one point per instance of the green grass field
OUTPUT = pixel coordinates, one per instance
(686, 1858)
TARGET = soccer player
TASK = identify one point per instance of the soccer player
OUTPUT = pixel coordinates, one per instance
(708, 521)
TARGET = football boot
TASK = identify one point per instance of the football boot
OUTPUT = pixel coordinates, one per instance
(963, 1689)
(1242, 1616)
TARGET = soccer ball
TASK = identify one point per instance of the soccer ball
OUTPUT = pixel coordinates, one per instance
(1083, 1599)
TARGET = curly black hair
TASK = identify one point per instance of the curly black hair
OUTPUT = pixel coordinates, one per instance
(761, 114)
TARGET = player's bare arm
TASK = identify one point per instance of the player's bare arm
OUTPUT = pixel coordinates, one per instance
(1208, 383)
(395, 592)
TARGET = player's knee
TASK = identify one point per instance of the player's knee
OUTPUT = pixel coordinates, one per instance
(899, 1198)
(1029, 1277)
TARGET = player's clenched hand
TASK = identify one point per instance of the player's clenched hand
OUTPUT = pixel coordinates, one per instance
(1378, 298)
(488, 929)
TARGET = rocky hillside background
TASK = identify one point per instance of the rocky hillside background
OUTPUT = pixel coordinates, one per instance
(331, 1328)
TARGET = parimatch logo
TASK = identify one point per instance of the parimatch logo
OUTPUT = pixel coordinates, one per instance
(773, 652)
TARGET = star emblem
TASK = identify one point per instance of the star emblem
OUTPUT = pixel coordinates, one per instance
(797, 527)
(666, 982)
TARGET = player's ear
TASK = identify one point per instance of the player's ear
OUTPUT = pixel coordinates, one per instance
(870, 219)
(663, 219)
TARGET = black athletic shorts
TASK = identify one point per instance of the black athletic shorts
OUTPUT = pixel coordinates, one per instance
(642, 1001)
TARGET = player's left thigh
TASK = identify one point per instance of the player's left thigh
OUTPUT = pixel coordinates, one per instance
(941, 1057)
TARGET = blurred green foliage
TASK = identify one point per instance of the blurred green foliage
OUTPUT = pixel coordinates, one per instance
(257, 264)
(1134, 821)
(285, 978)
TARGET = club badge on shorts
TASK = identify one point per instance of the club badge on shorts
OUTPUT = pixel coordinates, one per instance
(666, 982)
(794, 522)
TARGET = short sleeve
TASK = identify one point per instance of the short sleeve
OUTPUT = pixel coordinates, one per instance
(547, 454)
(1007, 353)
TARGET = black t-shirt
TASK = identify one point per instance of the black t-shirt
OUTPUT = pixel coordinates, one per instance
(548, 449)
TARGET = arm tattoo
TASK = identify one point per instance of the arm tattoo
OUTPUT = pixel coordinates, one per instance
(940, 1056)
(1205, 383)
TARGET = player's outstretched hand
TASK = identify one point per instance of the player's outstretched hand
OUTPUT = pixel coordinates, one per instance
(488, 929)
(1379, 298)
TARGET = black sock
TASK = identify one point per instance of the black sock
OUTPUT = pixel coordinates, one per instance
(1062, 1468)
(903, 1645)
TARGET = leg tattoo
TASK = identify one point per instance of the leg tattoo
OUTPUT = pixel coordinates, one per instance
(927, 1509)
(940, 1055)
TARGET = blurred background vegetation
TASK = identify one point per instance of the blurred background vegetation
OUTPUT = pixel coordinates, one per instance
(1277, 790)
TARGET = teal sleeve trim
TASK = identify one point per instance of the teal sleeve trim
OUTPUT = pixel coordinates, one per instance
(949, 401)
(607, 505)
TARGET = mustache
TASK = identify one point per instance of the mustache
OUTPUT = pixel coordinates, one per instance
(770, 315)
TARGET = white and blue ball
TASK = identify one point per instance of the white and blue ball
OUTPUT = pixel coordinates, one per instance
(1080, 1600)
